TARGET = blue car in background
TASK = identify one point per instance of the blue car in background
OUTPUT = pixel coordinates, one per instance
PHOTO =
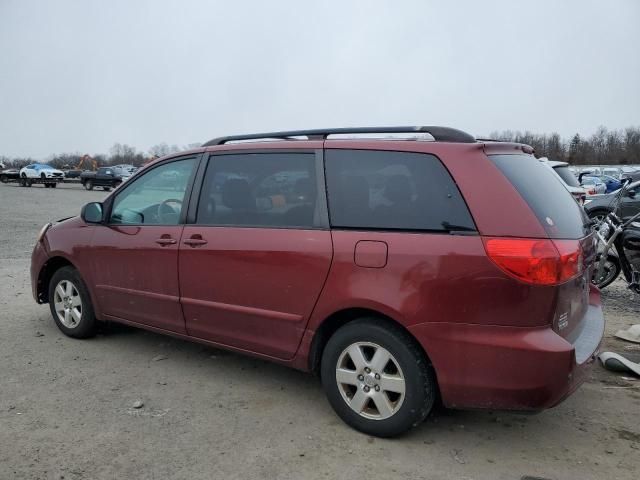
(612, 183)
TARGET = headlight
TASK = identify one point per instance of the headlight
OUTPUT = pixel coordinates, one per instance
(42, 231)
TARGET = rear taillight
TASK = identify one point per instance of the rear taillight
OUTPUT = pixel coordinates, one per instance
(536, 261)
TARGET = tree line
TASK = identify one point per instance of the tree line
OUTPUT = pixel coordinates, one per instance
(118, 154)
(604, 147)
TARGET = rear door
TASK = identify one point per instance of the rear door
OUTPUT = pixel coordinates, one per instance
(103, 176)
(256, 257)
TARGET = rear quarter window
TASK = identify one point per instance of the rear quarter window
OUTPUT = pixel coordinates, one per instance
(386, 190)
(551, 202)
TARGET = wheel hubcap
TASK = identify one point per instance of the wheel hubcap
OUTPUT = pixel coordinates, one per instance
(67, 304)
(370, 380)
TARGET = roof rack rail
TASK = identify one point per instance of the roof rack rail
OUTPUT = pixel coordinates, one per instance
(440, 134)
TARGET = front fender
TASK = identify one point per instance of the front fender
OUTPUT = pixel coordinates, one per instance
(71, 241)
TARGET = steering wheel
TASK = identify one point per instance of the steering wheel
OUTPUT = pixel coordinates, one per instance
(164, 217)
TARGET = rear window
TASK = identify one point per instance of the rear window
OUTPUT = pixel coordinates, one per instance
(551, 202)
(385, 190)
(568, 177)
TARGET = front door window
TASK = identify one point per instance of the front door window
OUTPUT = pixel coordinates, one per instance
(155, 198)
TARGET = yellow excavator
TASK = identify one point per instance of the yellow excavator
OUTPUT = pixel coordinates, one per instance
(87, 159)
(83, 164)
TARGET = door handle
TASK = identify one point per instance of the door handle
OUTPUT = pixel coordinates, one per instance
(166, 241)
(195, 241)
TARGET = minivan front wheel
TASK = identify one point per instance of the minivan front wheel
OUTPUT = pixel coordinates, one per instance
(70, 304)
(376, 378)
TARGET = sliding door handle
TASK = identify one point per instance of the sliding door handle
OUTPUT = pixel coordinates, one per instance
(195, 241)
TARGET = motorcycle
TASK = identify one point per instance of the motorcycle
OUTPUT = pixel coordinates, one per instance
(618, 246)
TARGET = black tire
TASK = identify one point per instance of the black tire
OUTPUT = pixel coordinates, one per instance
(23, 182)
(598, 213)
(23, 175)
(46, 185)
(106, 189)
(43, 176)
(610, 272)
(28, 182)
(54, 185)
(4, 179)
(419, 377)
(87, 325)
(88, 185)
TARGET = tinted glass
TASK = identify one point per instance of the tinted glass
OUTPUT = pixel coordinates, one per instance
(372, 189)
(156, 197)
(260, 190)
(568, 177)
(552, 203)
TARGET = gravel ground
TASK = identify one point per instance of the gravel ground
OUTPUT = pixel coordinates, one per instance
(66, 406)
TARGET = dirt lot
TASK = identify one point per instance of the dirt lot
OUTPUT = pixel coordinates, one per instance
(66, 405)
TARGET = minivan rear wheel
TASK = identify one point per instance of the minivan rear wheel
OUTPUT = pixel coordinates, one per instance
(376, 378)
(70, 304)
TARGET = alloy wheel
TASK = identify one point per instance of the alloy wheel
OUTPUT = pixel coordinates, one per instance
(68, 304)
(370, 380)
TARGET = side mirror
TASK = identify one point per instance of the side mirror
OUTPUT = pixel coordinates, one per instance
(92, 212)
(128, 216)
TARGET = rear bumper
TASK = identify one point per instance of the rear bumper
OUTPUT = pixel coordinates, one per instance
(510, 368)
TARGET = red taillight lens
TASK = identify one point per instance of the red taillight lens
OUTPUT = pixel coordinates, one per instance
(536, 261)
(571, 259)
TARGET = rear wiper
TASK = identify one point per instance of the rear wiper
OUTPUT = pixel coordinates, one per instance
(457, 228)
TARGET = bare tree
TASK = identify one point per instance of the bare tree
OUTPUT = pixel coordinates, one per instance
(162, 149)
(122, 153)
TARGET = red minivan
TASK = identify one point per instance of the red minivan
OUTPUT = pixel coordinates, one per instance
(398, 269)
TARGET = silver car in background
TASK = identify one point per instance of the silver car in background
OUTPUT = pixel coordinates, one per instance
(125, 171)
(567, 177)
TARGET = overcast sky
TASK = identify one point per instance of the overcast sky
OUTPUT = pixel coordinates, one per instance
(78, 76)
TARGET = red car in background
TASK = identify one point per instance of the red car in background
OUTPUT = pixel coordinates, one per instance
(399, 270)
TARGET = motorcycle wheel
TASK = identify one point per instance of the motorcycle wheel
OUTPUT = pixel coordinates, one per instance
(610, 271)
